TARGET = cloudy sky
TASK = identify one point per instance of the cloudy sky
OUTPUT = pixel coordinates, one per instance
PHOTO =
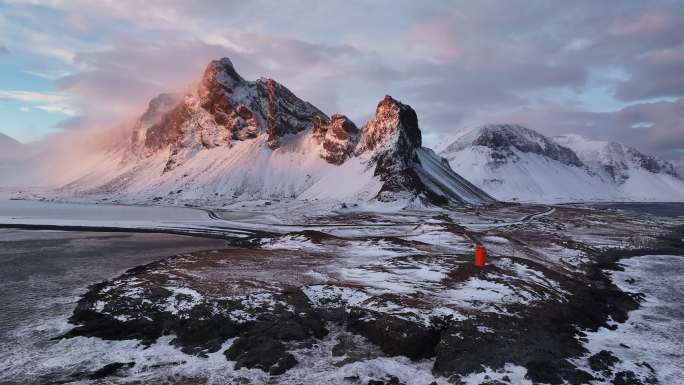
(604, 69)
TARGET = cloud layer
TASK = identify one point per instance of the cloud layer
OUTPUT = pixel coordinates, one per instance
(608, 70)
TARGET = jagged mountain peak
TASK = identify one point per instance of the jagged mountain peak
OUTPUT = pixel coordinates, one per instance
(221, 71)
(232, 138)
(393, 122)
(226, 108)
(393, 138)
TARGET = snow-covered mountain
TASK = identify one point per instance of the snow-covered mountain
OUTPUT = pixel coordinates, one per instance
(616, 160)
(9, 147)
(512, 162)
(233, 139)
(679, 167)
(15, 167)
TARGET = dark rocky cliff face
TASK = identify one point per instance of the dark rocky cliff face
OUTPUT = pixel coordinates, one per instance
(285, 113)
(393, 122)
(393, 136)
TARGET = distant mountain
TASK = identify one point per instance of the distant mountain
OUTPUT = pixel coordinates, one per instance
(15, 162)
(512, 162)
(9, 147)
(616, 160)
(233, 139)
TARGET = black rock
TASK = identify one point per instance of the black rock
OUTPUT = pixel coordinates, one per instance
(603, 361)
(110, 369)
(627, 377)
(540, 337)
(261, 352)
(395, 336)
(389, 380)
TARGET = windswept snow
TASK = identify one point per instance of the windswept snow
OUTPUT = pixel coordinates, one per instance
(653, 333)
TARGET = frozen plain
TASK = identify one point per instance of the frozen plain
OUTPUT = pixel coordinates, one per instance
(408, 271)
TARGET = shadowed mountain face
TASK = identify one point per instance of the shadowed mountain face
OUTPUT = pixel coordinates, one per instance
(505, 140)
(232, 138)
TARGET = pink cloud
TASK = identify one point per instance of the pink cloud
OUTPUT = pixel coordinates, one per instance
(439, 38)
(645, 23)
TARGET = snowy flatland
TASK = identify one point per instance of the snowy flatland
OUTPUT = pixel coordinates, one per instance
(302, 292)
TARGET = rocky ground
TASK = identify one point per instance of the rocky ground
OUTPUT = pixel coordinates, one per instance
(369, 298)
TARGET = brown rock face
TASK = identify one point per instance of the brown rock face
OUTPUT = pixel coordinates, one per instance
(156, 110)
(320, 127)
(339, 139)
(393, 122)
(168, 130)
(216, 93)
(224, 108)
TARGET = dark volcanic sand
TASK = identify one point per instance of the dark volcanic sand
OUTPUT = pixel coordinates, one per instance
(43, 273)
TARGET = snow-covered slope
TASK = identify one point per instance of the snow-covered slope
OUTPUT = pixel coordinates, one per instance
(637, 175)
(233, 139)
(615, 159)
(515, 163)
(679, 167)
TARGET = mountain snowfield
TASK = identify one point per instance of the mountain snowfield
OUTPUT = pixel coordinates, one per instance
(231, 139)
(512, 162)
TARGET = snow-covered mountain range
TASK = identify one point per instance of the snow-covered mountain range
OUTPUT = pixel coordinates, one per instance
(232, 139)
(512, 162)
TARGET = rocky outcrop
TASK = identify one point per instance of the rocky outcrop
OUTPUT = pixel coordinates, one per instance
(393, 139)
(266, 325)
(338, 138)
(283, 111)
(217, 95)
(394, 125)
(392, 136)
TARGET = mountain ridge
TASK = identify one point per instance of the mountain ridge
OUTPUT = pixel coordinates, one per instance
(232, 138)
(516, 163)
